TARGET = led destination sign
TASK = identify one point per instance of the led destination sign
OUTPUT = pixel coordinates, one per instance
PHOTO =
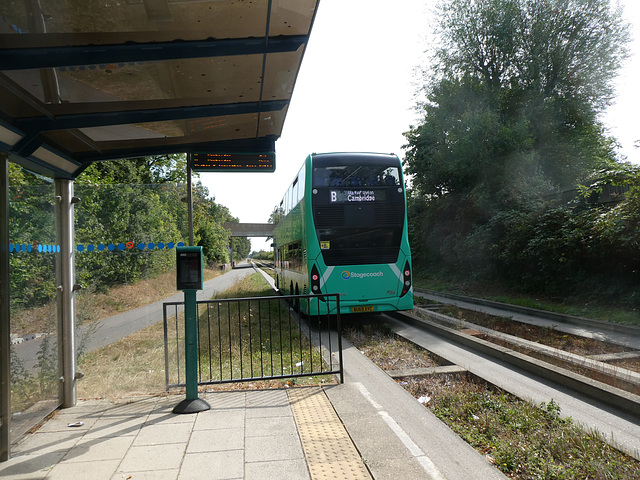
(233, 162)
(350, 196)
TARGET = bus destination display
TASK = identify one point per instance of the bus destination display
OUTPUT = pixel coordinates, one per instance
(233, 162)
(349, 196)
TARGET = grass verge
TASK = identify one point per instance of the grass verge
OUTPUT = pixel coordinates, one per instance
(580, 307)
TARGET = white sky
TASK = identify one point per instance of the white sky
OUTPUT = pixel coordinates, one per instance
(355, 92)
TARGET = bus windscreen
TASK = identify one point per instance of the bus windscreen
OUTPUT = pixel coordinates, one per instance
(356, 176)
(358, 212)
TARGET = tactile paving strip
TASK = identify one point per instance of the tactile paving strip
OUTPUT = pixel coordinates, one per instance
(329, 451)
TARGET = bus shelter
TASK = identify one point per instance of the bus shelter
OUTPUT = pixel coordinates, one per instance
(92, 80)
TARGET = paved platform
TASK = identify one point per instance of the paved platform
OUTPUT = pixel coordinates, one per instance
(368, 427)
(286, 434)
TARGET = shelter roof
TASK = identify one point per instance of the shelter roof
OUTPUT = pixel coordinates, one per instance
(89, 80)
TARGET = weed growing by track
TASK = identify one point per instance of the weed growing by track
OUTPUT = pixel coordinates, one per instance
(524, 441)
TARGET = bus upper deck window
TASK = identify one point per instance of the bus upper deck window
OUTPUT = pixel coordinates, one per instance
(321, 177)
(391, 176)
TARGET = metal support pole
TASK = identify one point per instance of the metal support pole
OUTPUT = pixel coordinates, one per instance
(191, 403)
(191, 344)
(190, 200)
(65, 281)
(5, 334)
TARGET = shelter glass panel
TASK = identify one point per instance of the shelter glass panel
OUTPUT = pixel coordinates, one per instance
(33, 325)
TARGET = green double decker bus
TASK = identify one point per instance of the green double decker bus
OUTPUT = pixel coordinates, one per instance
(341, 227)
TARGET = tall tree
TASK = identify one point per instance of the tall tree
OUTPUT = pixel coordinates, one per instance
(511, 111)
(567, 48)
(517, 80)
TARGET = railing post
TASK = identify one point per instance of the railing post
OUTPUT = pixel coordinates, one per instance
(339, 328)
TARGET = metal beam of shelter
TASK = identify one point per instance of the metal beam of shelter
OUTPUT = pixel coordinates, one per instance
(90, 80)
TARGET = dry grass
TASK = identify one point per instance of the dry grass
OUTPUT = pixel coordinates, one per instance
(133, 365)
(389, 352)
(143, 292)
(544, 335)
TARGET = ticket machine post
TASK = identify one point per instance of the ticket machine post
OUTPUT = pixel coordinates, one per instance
(189, 280)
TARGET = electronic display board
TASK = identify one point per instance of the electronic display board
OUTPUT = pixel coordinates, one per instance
(189, 268)
(350, 196)
(233, 162)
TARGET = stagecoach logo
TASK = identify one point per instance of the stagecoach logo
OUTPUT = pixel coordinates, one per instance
(346, 275)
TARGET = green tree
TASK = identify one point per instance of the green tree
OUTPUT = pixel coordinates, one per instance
(148, 170)
(511, 111)
(214, 240)
(517, 81)
(31, 223)
(241, 248)
(208, 217)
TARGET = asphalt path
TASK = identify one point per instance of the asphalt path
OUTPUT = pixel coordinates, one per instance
(111, 329)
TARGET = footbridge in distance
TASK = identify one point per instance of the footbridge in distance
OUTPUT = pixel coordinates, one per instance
(249, 229)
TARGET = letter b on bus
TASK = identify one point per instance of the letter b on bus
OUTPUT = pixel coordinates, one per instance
(334, 196)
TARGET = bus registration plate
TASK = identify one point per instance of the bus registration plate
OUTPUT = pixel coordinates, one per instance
(362, 309)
